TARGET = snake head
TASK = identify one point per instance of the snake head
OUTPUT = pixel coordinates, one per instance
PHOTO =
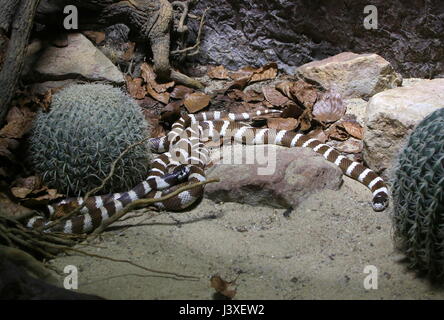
(182, 172)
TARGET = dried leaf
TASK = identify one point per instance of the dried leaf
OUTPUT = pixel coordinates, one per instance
(241, 82)
(253, 96)
(282, 123)
(292, 110)
(223, 287)
(20, 192)
(305, 120)
(12, 209)
(129, 51)
(236, 94)
(162, 97)
(329, 108)
(337, 132)
(19, 123)
(267, 72)
(171, 112)
(218, 72)
(180, 92)
(353, 128)
(135, 87)
(149, 76)
(318, 134)
(196, 101)
(273, 96)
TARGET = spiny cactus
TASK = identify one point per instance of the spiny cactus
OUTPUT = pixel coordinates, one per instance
(418, 197)
(73, 145)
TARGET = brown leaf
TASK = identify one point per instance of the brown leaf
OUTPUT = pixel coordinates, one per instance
(12, 209)
(253, 96)
(20, 192)
(19, 123)
(218, 72)
(196, 101)
(337, 132)
(353, 128)
(162, 97)
(180, 92)
(149, 76)
(135, 87)
(273, 96)
(292, 110)
(305, 120)
(236, 94)
(282, 123)
(329, 108)
(304, 93)
(240, 83)
(223, 287)
(318, 134)
(267, 72)
(171, 112)
(129, 51)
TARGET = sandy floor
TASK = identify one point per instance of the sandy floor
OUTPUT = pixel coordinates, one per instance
(318, 252)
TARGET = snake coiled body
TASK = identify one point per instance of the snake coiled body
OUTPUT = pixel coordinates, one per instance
(183, 159)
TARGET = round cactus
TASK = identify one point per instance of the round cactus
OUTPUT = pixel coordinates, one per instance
(418, 197)
(74, 144)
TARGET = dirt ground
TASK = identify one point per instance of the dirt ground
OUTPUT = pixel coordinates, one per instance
(318, 251)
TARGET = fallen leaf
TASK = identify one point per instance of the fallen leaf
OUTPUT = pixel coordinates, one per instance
(253, 96)
(236, 94)
(353, 128)
(292, 110)
(162, 97)
(171, 112)
(149, 76)
(128, 55)
(329, 108)
(218, 72)
(337, 133)
(305, 120)
(180, 92)
(282, 123)
(196, 101)
(20, 192)
(223, 287)
(273, 96)
(19, 122)
(318, 134)
(10, 208)
(266, 72)
(241, 82)
(135, 87)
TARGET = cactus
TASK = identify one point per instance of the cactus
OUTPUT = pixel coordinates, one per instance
(74, 144)
(418, 197)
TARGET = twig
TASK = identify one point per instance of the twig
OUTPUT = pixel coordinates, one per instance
(89, 193)
(197, 44)
(120, 260)
(185, 7)
(145, 202)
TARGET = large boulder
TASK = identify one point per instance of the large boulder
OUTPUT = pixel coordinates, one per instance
(285, 179)
(80, 59)
(391, 116)
(352, 75)
(293, 32)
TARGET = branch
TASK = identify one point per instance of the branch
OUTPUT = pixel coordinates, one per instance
(145, 202)
(197, 44)
(89, 193)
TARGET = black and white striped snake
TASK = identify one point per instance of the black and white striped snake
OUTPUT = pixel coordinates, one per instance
(183, 160)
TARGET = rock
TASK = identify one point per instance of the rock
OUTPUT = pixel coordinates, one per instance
(80, 59)
(250, 32)
(391, 116)
(289, 176)
(43, 87)
(352, 75)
